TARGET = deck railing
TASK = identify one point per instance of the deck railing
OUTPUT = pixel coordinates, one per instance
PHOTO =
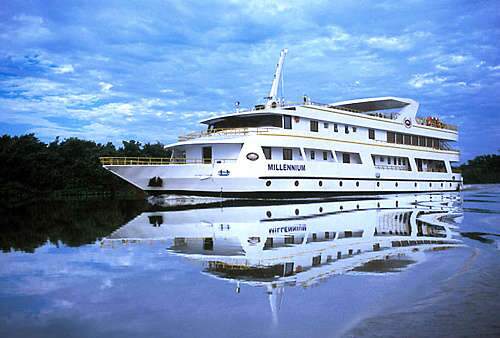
(159, 161)
(391, 167)
(435, 123)
(225, 132)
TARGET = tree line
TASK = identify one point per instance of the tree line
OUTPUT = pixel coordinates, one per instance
(32, 167)
(482, 169)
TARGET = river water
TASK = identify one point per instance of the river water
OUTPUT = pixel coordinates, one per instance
(390, 266)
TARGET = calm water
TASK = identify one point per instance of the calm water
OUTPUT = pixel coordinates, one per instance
(405, 265)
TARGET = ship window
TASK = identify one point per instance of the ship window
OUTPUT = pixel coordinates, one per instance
(346, 129)
(267, 152)
(335, 127)
(325, 156)
(371, 134)
(399, 160)
(287, 154)
(208, 244)
(399, 138)
(346, 158)
(382, 158)
(414, 140)
(207, 155)
(407, 139)
(429, 142)
(436, 143)
(354, 129)
(325, 125)
(391, 137)
(313, 155)
(314, 125)
(287, 122)
(421, 141)
(389, 160)
(248, 121)
(403, 161)
(316, 260)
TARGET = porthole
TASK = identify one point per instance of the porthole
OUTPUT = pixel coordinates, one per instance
(320, 183)
(340, 183)
(357, 206)
(415, 184)
(268, 214)
(450, 185)
(396, 184)
(378, 184)
(357, 184)
(320, 209)
(430, 184)
(268, 183)
(341, 208)
(296, 211)
(441, 185)
(397, 203)
(378, 205)
(252, 156)
(296, 183)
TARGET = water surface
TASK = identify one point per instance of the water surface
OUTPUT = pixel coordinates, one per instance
(402, 265)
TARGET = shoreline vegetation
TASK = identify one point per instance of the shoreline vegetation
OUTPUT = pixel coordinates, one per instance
(70, 169)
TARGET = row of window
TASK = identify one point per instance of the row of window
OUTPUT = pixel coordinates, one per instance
(314, 127)
(392, 137)
(414, 140)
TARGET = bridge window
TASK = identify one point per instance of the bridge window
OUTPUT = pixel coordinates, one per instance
(314, 125)
(287, 122)
(371, 134)
(391, 137)
(335, 127)
(313, 155)
(267, 152)
(325, 156)
(287, 154)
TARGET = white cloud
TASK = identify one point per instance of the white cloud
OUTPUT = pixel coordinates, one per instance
(64, 69)
(105, 87)
(389, 42)
(421, 80)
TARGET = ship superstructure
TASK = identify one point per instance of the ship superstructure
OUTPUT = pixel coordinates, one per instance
(276, 149)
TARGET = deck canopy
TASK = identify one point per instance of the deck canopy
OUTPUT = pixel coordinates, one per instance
(373, 104)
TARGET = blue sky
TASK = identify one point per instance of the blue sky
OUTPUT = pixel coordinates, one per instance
(150, 70)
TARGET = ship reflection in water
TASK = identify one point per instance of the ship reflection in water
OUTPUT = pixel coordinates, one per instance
(300, 244)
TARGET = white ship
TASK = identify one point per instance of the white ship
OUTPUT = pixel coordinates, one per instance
(373, 145)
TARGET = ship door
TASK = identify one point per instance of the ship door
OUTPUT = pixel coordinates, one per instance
(207, 155)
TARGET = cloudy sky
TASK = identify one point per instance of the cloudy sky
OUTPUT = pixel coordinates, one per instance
(150, 70)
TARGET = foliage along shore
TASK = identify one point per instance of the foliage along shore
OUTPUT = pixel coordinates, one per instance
(70, 168)
(64, 169)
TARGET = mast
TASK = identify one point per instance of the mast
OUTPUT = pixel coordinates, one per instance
(272, 98)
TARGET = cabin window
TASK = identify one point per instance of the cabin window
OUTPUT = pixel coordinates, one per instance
(325, 125)
(429, 142)
(389, 160)
(346, 129)
(414, 140)
(407, 139)
(287, 122)
(354, 129)
(399, 160)
(335, 127)
(325, 156)
(267, 152)
(287, 154)
(436, 143)
(314, 126)
(247, 121)
(391, 137)
(382, 159)
(207, 155)
(371, 134)
(399, 138)
(403, 160)
(313, 155)
(346, 158)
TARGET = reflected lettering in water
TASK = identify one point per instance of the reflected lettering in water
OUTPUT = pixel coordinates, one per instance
(300, 244)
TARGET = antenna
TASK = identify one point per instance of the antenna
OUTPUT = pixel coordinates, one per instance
(272, 98)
